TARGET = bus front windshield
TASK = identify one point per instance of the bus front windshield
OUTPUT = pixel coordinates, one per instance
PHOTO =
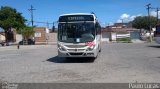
(76, 32)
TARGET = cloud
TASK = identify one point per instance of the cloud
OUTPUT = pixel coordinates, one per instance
(154, 13)
(119, 21)
(132, 17)
(126, 18)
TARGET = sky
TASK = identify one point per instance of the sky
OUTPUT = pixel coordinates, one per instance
(107, 11)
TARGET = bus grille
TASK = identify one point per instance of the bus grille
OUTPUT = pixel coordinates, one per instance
(73, 50)
(75, 46)
(76, 54)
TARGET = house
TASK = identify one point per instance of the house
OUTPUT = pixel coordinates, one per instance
(120, 30)
(2, 35)
(41, 35)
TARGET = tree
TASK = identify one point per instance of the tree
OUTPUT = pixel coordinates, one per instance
(10, 18)
(27, 32)
(144, 22)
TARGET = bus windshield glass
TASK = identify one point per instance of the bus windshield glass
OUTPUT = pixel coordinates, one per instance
(76, 32)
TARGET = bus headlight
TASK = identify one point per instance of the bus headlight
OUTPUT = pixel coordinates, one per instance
(60, 47)
(91, 48)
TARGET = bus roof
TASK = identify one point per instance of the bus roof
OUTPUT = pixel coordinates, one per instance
(77, 14)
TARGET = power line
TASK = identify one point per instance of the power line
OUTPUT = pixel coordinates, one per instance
(43, 22)
(47, 24)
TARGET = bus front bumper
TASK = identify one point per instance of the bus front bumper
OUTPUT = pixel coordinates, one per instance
(77, 54)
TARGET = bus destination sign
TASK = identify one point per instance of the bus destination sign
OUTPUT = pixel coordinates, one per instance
(72, 18)
(75, 18)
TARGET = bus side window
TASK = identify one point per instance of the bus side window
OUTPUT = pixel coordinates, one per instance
(96, 27)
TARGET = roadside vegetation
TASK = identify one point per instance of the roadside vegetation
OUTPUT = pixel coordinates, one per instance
(10, 18)
(124, 40)
(145, 24)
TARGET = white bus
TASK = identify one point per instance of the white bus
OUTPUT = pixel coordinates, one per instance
(157, 34)
(79, 35)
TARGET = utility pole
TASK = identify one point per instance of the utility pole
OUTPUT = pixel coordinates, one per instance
(157, 10)
(157, 15)
(31, 10)
(47, 24)
(53, 28)
(149, 23)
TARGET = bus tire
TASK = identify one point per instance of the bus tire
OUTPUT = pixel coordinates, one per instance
(96, 55)
(99, 47)
(100, 50)
(2, 44)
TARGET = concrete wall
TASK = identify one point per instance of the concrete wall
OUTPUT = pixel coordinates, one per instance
(135, 35)
(18, 38)
(105, 36)
(2, 37)
(40, 35)
(51, 38)
(113, 36)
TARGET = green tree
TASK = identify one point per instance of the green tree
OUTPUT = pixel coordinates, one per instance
(144, 22)
(10, 18)
(27, 33)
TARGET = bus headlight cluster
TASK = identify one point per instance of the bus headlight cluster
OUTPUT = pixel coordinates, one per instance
(60, 47)
(91, 48)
